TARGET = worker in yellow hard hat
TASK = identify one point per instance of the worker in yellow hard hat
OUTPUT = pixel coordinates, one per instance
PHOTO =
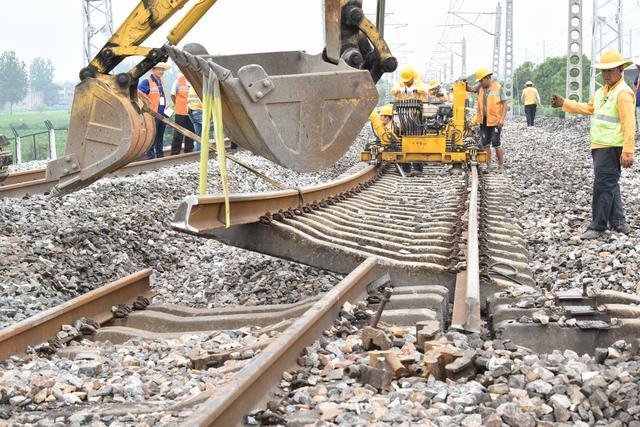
(612, 134)
(383, 124)
(436, 94)
(490, 114)
(410, 86)
(530, 99)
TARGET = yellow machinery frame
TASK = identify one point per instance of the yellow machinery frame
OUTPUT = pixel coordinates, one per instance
(433, 148)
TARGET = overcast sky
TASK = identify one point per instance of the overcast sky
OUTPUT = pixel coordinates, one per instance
(53, 29)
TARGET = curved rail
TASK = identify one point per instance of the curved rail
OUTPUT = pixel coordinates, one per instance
(197, 214)
(95, 305)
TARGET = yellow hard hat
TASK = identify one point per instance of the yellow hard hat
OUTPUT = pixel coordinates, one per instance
(611, 59)
(386, 110)
(407, 74)
(482, 73)
(433, 84)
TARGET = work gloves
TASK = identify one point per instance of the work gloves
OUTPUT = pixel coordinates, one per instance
(556, 100)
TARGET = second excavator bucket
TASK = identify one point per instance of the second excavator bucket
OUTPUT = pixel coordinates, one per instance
(292, 108)
(107, 130)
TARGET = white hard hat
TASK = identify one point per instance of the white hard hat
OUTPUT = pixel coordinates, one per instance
(529, 83)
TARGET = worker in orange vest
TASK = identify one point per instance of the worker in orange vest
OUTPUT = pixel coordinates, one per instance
(152, 87)
(490, 114)
(180, 96)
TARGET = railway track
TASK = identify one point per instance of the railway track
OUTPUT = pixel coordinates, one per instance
(448, 244)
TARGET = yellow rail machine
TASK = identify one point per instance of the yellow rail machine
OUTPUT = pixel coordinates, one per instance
(424, 132)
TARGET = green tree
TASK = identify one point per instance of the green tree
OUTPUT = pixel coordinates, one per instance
(41, 72)
(13, 79)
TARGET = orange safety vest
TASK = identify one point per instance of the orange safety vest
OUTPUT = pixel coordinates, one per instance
(182, 95)
(154, 94)
(494, 108)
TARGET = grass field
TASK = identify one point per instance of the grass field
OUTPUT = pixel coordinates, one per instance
(30, 122)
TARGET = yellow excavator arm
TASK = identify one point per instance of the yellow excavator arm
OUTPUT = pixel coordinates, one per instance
(301, 111)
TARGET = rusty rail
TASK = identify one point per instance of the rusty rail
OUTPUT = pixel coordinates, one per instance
(251, 387)
(95, 305)
(31, 182)
(466, 303)
(197, 214)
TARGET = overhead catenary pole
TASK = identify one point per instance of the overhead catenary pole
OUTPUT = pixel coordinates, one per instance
(97, 20)
(496, 40)
(574, 51)
(508, 55)
(464, 57)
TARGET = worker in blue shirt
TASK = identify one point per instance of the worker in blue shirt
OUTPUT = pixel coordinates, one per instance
(153, 88)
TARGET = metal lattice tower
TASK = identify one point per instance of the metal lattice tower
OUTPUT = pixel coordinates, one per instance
(606, 32)
(496, 41)
(97, 20)
(574, 51)
(508, 53)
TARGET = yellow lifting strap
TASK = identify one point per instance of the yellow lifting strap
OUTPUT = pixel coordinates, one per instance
(212, 110)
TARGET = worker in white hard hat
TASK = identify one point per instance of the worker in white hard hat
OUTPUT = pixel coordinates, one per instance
(153, 89)
(530, 99)
(612, 134)
(491, 113)
(410, 86)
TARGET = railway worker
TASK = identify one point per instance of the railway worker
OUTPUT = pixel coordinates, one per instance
(152, 87)
(383, 124)
(179, 96)
(612, 134)
(436, 94)
(410, 86)
(490, 114)
(530, 99)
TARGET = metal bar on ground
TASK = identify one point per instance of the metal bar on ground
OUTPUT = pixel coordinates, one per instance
(466, 303)
(250, 388)
(95, 305)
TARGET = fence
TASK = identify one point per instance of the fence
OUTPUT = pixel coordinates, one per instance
(34, 141)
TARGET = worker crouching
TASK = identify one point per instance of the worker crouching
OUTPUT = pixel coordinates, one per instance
(612, 134)
(410, 86)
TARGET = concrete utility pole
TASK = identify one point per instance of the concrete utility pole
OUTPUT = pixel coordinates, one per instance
(508, 55)
(574, 51)
(496, 41)
(606, 33)
(97, 20)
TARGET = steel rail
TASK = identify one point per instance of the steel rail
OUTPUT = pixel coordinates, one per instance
(466, 303)
(32, 182)
(198, 214)
(95, 305)
(250, 388)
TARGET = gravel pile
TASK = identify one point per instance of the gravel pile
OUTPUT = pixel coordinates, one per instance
(54, 249)
(506, 385)
(550, 167)
(27, 166)
(133, 377)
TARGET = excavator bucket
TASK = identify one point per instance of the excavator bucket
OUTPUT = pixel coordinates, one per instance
(292, 108)
(107, 130)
